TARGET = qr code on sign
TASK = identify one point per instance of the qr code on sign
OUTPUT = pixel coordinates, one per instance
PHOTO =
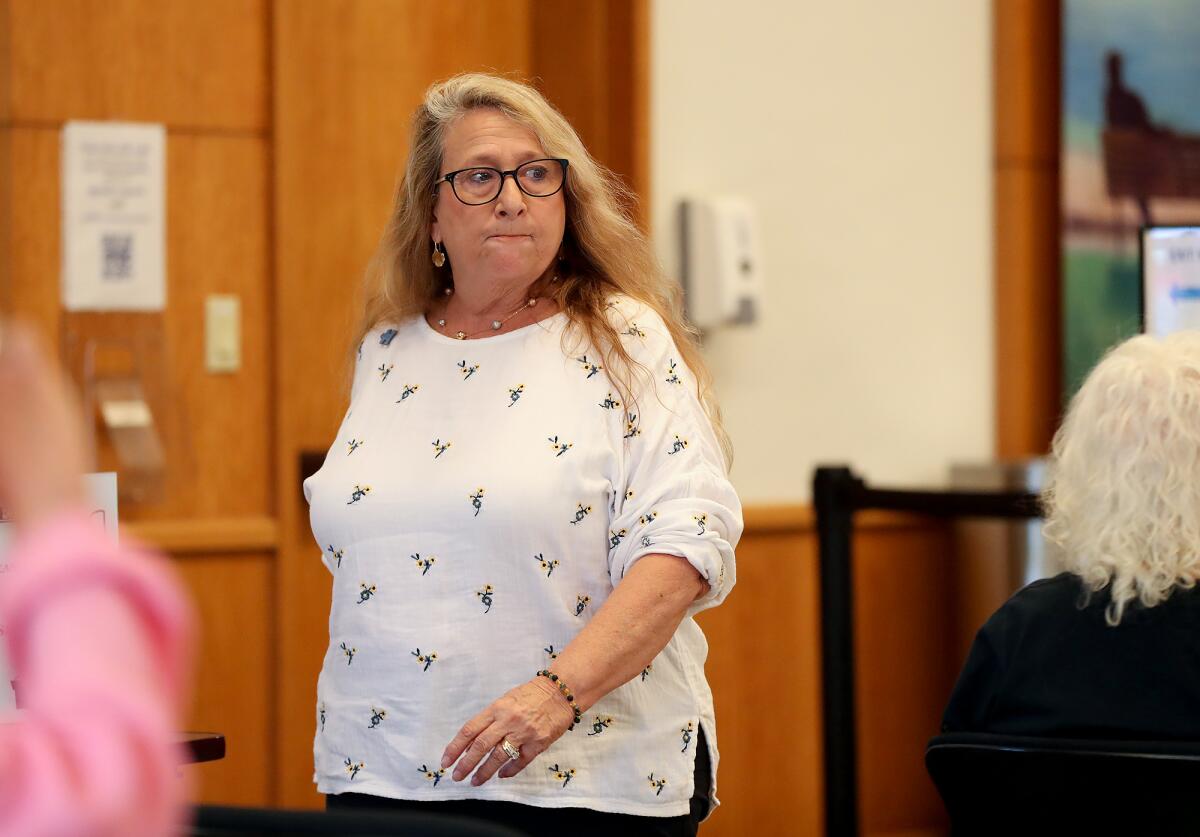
(117, 255)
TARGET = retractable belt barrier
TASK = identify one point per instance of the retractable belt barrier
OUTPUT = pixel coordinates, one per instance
(837, 495)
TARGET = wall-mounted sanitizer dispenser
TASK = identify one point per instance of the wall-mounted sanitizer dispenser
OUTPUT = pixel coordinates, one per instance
(721, 264)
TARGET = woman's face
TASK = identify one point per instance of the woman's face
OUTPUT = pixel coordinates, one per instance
(513, 239)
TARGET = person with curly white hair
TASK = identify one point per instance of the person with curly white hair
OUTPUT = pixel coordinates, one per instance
(1108, 648)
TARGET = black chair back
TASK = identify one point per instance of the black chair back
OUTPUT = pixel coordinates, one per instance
(999, 784)
(226, 821)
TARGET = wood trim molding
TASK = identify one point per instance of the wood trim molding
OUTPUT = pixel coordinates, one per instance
(213, 535)
(771, 519)
(1028, 342)
(790, 518)
(261, 534)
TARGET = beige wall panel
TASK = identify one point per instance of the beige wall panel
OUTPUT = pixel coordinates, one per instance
(185, 63)
(215, 428)
(857, 329)
(232, 693)
(347, 77)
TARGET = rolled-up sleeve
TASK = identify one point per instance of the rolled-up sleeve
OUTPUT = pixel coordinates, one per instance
(674, 496)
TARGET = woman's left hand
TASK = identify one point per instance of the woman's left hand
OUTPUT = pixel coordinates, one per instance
(531, 716)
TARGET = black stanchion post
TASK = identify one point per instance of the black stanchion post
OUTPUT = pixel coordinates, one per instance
(834, 493)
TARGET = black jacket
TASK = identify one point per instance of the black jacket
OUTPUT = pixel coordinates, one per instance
(1047, 664)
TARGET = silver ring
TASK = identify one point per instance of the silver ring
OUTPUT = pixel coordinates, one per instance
(510, 750)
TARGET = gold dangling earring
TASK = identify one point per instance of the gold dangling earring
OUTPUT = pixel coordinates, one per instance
(439, 254)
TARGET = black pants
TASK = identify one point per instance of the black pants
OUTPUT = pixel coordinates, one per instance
(570, 822)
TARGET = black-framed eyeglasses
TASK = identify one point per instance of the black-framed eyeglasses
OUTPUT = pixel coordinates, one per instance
(482, 184)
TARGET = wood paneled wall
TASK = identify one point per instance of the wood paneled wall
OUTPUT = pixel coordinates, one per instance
(286, 125)
(764, 667)
(286, 128)
(765, 672)
(195, 66)
(348, 75)
(6, 173)
(202, 70)
(592, 59)
(1027, 88)
(234, 691)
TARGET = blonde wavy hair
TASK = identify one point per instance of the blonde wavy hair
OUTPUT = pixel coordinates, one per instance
(604, 252)
(1123, 499)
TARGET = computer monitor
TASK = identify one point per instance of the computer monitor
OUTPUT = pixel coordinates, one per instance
(1170, 279)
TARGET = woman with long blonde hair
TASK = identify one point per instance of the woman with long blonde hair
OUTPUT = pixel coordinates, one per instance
(528, 498)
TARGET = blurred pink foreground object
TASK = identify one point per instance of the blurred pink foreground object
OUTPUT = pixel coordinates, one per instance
(99, 637)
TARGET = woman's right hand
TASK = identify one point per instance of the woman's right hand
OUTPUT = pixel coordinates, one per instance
(41, 438)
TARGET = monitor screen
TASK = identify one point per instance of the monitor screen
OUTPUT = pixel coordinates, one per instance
(1170, 279)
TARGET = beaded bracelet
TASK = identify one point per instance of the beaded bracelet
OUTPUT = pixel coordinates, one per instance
(566, 692)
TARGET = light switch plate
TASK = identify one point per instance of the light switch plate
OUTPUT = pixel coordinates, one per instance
(222, 333)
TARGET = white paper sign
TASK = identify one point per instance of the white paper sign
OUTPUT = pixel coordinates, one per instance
(114, 227)
(102, 494)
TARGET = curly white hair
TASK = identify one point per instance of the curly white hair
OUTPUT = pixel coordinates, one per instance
(1123, 500)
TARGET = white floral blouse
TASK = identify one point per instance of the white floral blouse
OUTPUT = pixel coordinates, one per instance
(480, 502)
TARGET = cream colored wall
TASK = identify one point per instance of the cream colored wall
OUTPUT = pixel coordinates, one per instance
(862, 132)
